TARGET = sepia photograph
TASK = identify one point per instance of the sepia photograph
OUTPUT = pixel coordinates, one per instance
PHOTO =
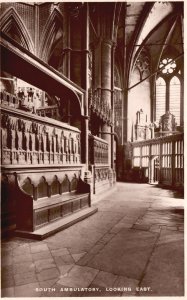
(92, 149)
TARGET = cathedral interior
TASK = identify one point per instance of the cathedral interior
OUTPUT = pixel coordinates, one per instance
(92, 96)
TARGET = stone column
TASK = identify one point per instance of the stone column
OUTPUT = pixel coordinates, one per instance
(106, 87)
(112, 105)
(125, 124)
(85, 81)
(106, 63)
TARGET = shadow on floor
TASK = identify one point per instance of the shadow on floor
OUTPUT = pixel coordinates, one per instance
(176, 193)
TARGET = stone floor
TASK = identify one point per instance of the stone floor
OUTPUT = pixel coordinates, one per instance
(133, 246)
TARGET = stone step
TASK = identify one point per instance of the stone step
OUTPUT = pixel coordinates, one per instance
(56, 226)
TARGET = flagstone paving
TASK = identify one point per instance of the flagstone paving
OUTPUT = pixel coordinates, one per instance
(133, 246)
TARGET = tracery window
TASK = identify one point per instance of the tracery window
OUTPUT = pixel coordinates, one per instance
(168, 90)
(168, 65)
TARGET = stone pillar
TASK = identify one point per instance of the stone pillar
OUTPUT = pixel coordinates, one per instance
(106, 88)
(85, 82)
(125, 123)
(106, 59)
(112, 106)
(96, 82)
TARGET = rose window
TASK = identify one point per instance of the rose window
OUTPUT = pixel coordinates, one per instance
(168, 65)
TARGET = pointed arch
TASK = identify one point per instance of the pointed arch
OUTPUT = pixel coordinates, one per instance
(11, 20)
(158, 12)
(54, 22)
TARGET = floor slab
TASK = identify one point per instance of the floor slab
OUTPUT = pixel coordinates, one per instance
(133, 246)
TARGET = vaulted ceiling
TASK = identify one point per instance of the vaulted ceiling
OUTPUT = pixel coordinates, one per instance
(154, 26)
(135, 26)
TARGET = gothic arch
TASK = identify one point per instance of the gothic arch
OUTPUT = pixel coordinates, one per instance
(10, 18)
(143, 17)
(168, 30)
(49, 32)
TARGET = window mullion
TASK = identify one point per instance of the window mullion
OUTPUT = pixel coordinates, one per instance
(167, 95)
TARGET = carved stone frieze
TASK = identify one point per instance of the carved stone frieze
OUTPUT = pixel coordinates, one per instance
(26, 141)
(98, 150)
(101, 174)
